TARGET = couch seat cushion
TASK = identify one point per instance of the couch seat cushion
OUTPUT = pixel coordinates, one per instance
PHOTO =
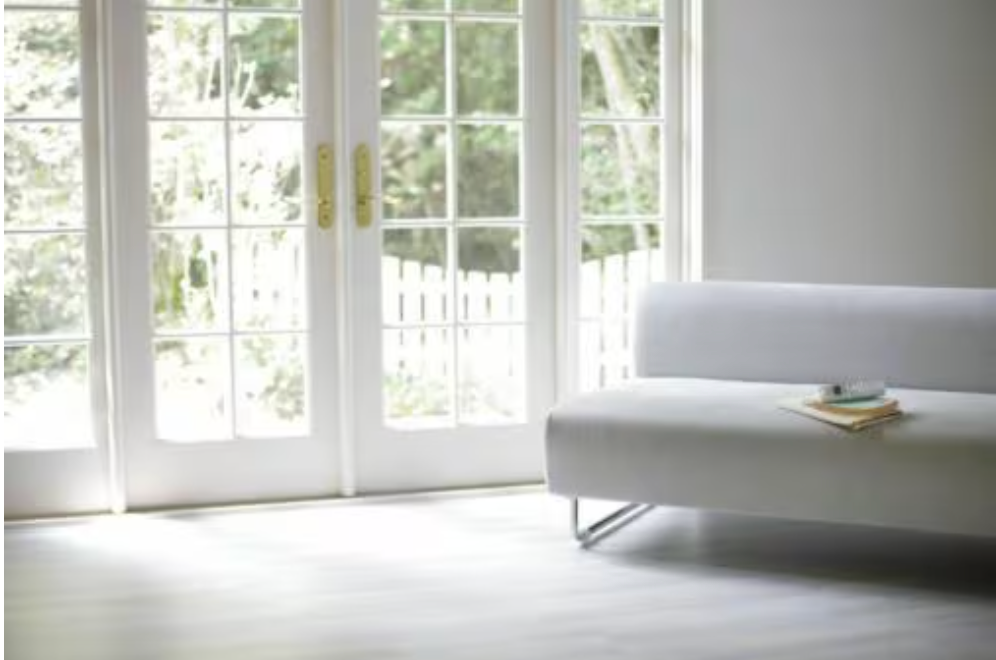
(726, 445)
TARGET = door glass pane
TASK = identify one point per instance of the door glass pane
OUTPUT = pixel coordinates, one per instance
(42, 175)
(490, 286)
(621, 184)
(413, 162)
(46, 297)
(492, 384)
(229, 257)
(452, 274)
(192, 389)
(187, 173)
(270, 388)
(268, 274)
(41, 60)
(413, 67)
(263, 63)
(487, 56)
(266, 172)
(190, 280)
(488, 171)
(185, 60)
(46, 396)
(44, 284)
(418, 377)
(415, 282)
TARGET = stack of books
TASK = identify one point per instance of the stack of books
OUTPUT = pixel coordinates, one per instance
(852, 414)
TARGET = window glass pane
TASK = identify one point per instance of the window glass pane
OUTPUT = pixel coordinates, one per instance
(413, 67)
(264, 65)
(413, 170)
(620, 7)
(46, 397)
(190, 280)
(418, 377)
(186, 3)
(620, 169)
(617, 261)
(487, 69)
(41, 62)
(607, 351)
(487, 6)
(193, 402)
(46, 350)
(268, 272)
(275, 4)
(266, 172)
(492, 387)
(36, 3)
(44, 284)
(270, 386)
(42, 175)
(187, 173)
(415, 282)
(620, 70)
(490, 285)
(413, 5)
(488, 171)
(185, 60)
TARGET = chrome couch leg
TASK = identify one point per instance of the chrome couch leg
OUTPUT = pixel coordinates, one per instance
(599, 529)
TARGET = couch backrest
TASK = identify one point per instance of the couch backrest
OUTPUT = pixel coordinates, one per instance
(909, 337)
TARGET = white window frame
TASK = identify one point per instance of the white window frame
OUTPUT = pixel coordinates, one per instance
(75, 479)
(682, 159)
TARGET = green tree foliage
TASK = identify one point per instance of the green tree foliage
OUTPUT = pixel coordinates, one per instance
(44, 275)
(619, 162)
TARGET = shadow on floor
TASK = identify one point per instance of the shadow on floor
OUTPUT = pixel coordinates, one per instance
(957, 565)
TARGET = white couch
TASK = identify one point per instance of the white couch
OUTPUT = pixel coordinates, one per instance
(699, 427)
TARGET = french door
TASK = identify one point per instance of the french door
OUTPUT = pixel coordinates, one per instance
(451, 296)
(226, 287)
(269, 249)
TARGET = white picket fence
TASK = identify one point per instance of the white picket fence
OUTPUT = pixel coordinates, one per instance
(486, 358)
(608, 297)
(417, 293)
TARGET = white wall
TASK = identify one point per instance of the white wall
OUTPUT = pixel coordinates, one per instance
(851, 141)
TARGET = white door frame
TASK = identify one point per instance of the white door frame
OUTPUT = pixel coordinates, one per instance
(158, 473)
(392, 460)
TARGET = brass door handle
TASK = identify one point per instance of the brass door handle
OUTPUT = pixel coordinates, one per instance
(326, 187)
(363, 182)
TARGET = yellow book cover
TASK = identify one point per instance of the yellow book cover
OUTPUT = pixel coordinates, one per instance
(869, 408)
(851, 419)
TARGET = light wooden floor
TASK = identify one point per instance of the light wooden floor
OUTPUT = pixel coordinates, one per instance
(489, 576)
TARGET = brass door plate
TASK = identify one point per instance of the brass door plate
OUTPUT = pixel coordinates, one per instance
(364, 186)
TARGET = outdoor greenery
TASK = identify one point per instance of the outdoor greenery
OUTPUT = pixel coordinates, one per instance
(45, 275)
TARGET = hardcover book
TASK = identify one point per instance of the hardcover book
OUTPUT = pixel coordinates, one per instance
(850, 415)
